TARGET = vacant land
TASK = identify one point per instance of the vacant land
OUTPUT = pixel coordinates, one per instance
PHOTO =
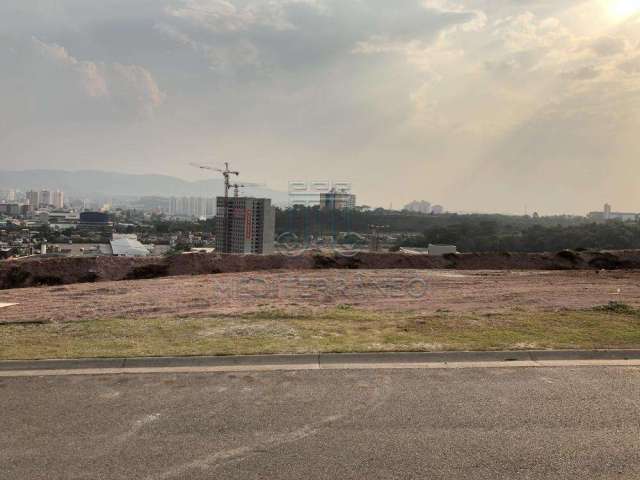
(311, 311)
(422, 291)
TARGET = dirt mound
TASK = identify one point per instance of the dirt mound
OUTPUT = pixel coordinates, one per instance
(60, 271)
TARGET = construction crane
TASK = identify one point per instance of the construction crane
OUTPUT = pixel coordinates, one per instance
(226, 172)
(237, 186)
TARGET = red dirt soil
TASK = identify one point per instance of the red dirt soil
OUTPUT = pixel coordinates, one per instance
(485, 291)
(35, 271)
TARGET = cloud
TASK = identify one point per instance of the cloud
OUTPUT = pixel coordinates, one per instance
(227, 16)
(606, 46)
(121, 89)
(300, 33)
(511, 89)
(588, 72)
(630, 66)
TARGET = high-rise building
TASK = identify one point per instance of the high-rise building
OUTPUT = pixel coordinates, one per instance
(247, 225)
(197, 207)
(337, 200)
(57, 199)
(45, 198)
(10, 208)
(33, 197)
(211, 208)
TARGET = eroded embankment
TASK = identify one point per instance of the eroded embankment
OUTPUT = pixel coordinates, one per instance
(59, 271)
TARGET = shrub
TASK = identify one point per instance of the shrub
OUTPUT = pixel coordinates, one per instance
(616, 307)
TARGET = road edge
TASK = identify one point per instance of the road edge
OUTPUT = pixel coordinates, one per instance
(473, 359)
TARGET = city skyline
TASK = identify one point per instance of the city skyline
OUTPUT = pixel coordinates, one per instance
(494, 105)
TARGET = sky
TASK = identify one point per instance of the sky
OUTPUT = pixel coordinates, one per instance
(479, 105)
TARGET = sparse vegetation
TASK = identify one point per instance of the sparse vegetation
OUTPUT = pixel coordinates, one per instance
(338, 330)
(617, 307)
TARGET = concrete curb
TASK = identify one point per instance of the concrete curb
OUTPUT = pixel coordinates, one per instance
(326, 360)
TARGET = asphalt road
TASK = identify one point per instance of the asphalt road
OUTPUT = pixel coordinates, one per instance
(496, 423)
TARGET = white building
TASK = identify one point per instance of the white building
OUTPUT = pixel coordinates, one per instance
(57, 199)
(195, 207)
(608, 214)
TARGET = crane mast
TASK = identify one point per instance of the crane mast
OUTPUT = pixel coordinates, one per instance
(227, 185)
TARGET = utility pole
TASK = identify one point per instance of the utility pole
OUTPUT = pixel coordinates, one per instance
(375, 239)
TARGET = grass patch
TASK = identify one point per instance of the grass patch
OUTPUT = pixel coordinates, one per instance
(617, 307)
(338, 330)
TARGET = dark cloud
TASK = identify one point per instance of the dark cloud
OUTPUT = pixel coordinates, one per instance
(606, 46)
(588, 72)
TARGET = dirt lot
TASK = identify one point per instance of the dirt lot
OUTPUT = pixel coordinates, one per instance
(420, 291)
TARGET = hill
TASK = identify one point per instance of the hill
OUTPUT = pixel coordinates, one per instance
(86, 183)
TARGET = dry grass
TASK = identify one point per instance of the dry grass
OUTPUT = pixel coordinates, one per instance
(341, 329)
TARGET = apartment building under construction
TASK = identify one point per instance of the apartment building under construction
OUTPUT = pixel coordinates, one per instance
(247, 225)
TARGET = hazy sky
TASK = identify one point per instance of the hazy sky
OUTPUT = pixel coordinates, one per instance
(482, 105)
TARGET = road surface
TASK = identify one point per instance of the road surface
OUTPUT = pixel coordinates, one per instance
(484, 423)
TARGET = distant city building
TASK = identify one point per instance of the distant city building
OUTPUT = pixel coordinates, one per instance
(608, 214)
(78, 204)
(42, 218)
(57, 199)
(437, 210)
(67, 217)
(33, 198)
(247, 225)
(10, 209)
(194, 207)
(45, 198)
(98, 222)
(337, 200)
(419, 206)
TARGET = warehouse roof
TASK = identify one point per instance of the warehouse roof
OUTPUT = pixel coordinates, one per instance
(128, 247)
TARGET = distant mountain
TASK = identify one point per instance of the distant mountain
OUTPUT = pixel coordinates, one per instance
(96, 183)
